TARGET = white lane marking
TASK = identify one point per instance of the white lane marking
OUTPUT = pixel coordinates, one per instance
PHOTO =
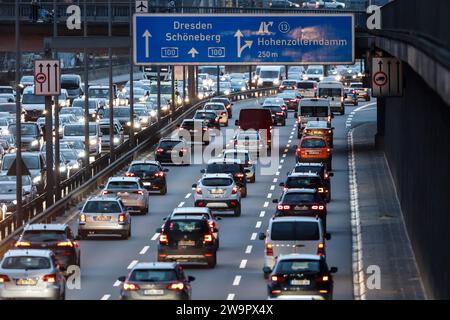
(144, 250)
(288, 145)
(243, 264)
(155, 236)
(266, 204)
(269, 196)
(277, 173)
(188, 195)
(237, 280)
(348, 125)
(286, 150)
(117, 283)
(359, 288)
(106, 297)
(351, 115)
(181, 204)
(365, 106)
(258, 224)
(290, 137)
(227, 145)
(231, 296)
(282, 161)
(280, 167)
(289, 141)
(248, 250)
(275, 180)
(132, 264)
(262, 214)
(253, 237)
(284, 155)
(272, 187)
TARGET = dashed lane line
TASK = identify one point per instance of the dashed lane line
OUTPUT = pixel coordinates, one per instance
(117, 283)
(181, 204)
(144, 250)
(262, 214)
(132, 264)
(106, 297)
(188, 195)
(248, 250)
(231, 296)
(272, 187)
(269, 196)
(258, 224)
(155, 236)
(237, 280)
(266, 204)
(253, 237)
(243, 264)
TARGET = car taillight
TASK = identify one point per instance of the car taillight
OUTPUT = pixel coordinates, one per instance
(159, 150)
(139, 192)
(129, 174)
(326, 175)
(342, 99)
(283, 207)
(4, 278)
(207, 239)
(82, 217)
(163, 239)
(234, 190)
(104, 192)
(128, 286)
(239, 175)
(329, 120)
(50, 278)
(299, 120)
(65, 244)
(23, 244)
(280, 114)
(122, 218)
(318, 207)
(198, 190)
(328, 150)
(211, 224)
(176, 286)
(269, 249)
(159, 174)
(320, 190)
(321, 249)
(224, 113)
(277, 278)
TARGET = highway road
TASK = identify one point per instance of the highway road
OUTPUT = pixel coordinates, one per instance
(238, 274)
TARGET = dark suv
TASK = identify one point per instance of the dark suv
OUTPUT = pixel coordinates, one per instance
(233, 166)
(152, 175)
(56, 237)
(172, 150)
(187, 239)
(315, 167)
(307, 180)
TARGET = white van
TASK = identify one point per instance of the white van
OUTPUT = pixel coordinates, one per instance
(313, 109)
(271, 76)
(333, 91)
(315, 73)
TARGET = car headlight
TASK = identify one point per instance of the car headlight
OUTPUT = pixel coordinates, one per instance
(124, 90)
(186, 100)
(243, 88)
(62, 169)
(44, 111)
(34, 143)
(165, 108)
(144, 119)
(142, 99)
(260, 81)
(14, 202)
(276, 82)
(338, 78)
(5, 132)
(321, 78)
(360, 74)
(116, 140)
(128, 123)
(76, 166)
(93, 141)
(200, 95)
(137, 125)
(305, 78)
(153, 113)
(179, 100)
(226, 92)
(354, 76)
(37, 179)
(82, 154)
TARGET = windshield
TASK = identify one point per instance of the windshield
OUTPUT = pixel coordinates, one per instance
(314, 111)
(248, 136)
(75, 111)
(27, 79)
(27, 263)
(305, 85)
(330, 92)
(122, 185)
(69, 154)
(152, 275)
(269, 74)
(217, 182)
(70, 83)
(27, 130)
(273, 108)
(168, 144)
(26, 180)
(314, 71)
(186, 226)
(214, 107)
(78, 130)
(205, 115)
(76, 144)
(165, 89)
(79, 103)
(225, 84)
(99, 93)
(147, 167)
(302, 182)
(311, 169)
(8, 107)
(102, 207)
(118, 112)
(299, 197)
(44, 236)
(9, 188)
(289, 83)
(297, 266)
(32, 99)
(223, 168)
(105, 130)
(313, 143)
(243, 156)
(32, 162)
(295, 230)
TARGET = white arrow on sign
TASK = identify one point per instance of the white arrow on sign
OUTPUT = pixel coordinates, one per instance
(147, 35)
(248, 43)
(193, 52)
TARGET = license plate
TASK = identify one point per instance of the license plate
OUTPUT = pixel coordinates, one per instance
(123, 194)
(301, 208)
(26, 282)
(300, 282)
(147, 184)
(153, 292)
(313, 152)
(319, 133)
(216, 191)
(102, 218)
(186, 243)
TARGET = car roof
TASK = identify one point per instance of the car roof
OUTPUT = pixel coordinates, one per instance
(145, 162)
(293, 218)
(46, 226)
(187, 217)
(190, 210)
(302, 174)
(313, 137)
(217, 175)
(103, 198)
(28, 252)
(236, 151)
(155, 265)
(317, 124)
(300, 256)
(224, 161)
(314, 101)
(310, 164)
(130, 179)
(300, 190)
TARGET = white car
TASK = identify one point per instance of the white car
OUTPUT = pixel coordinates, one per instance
(76, 132)
(220, 110)
(249, 140)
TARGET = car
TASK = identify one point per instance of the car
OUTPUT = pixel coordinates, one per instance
(250, 140)
(333, 91)
(313, 148)
(194, 130)
(173, 151)
(7, 90)
(56, 237)
(32, 137)
(27, 81)
(360, 91)
(76, 145)
(118, 137)
(283, 4)
(258, 123)
(105, 215)
(151, 173)
(310, 4)
(316, 168)
(218, 191)
(31, 274)
(315, 73)
(350, 97)
(220, 109)
(7, 97)
(9, 111)
(233, 166)
(8, 196)
(288, 85)
(307, 88)
(200, 211)
(209, 117)
(275, 102)
(310, 110)
(71, 160)
(245, 157)
(72, 83)
(27, 185)
(93, 106)
(278, 114)
(122, 114)
(287, 235)
(305, 275)
(291, 98)
(309, 180)
(131, 192)
(238, 85)
(76, 132)
(156, 281)
(77, 112)
(304, 202)
(187, 240)
(320, 129)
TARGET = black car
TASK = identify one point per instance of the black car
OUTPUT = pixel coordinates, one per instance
(187, 239)
(233, 166)
(318, 168)
(302, 202)
(209, 117)
(197, 131)
(227, 104)
(172, 150)
(278, 115)
(301, 275)
(309, 181)
(151, 173)
(56, 237)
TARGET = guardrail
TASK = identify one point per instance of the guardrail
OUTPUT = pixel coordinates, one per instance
(85, 181)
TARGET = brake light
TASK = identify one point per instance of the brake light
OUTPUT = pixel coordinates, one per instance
(176, 286)
(207, 239)
(316, 207)
(234, 190)
(201, 204)
(159, 150)
(321, 249)
(326, 175)
(276, 291)
(320, 190)
(283, 207)
(276, 278)
(198, 190)
(328, 150)
(122, 218)
(129, 174)
(82, 217)
(299, 120)
(50, 278)
(279, 113)
(239, 175)
(159, 174)
(127, 286)
(139, 192)
(23, 244)
(65, 244)
(269, 249)
(4, 278)
(163, 239)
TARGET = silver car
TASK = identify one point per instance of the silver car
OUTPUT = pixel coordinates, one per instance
(220, 110)
(218, 191)
(246, 159)
(131, 191)
(104, 215)
(31, 274)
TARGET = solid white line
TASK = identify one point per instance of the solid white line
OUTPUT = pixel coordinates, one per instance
(106, 297)
(258, 224)
(253, 237)
(269, 196)
(236, 280)
(243, 264)
(231, 296)
(155, 236)
(248, 250)
(262, 214)
(266, 204)
(275, 180)
(365, 106)
(181, 204)
(117, 283)
(132, 264)
(290, 137)
(144, 250)
(188, 195)
(272, 187)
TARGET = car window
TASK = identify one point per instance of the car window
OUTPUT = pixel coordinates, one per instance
(26, 262)
(302, 182)
(305, 85)
(186, 226)
(216, 182)
(144, 167)
(243, 156)
(44, 235)
(122, 185)
(314, 111)
(295, 230)
(223, 168)
(9, 188)
(299, 198)
(32, 162)
(306, 169)
(297, 266)
(152, 275)
(170, 144)
(330, 92)
(214, 107)
(102, 207)
(313, 143)
(26, 129)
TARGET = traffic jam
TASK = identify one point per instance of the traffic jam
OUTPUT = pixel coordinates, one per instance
(189, 237)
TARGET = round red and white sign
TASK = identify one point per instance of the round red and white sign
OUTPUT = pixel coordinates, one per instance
(380, 78)
(40, 77)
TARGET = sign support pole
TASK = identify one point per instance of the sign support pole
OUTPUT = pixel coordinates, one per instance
(158, 94)
(184, 85)
(131, 101)
(218, 81)
(49, 150)
(173, 105)
(18, 214)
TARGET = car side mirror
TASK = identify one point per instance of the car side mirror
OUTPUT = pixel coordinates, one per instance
(121, 279)
(236, 122)
(191, 278)
(281, 184)
(262, 236)
(333, 269)
(275, 201)
(327, 236)
(267, 270)
(331, 174)
(194, 185)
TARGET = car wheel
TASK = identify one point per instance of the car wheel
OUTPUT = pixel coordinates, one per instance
(212, 261)
(63, 296)
(266, 275)
(82, 235)
(226, 124)
(125, 235)
(244, 192)
(284, 123)
(163, 191)
(253, 179)
(237, 211)
(342, 111)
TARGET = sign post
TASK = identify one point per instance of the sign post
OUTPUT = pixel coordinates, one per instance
(387, 77)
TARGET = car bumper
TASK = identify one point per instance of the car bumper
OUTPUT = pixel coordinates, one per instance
(194, 255)
(175, 295)
(218, 204)
(136, 204)
(105, 228)
(28, 292)
(156, 184)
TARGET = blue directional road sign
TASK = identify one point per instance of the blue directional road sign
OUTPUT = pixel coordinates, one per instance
(243, 39)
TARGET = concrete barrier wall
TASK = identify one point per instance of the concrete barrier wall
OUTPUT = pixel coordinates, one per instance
(417, 146)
